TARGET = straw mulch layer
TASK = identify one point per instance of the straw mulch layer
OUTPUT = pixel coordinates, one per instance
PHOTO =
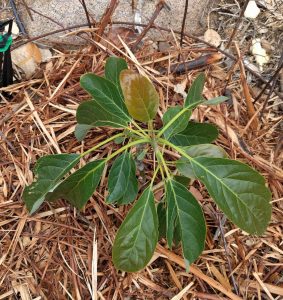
(60, 253)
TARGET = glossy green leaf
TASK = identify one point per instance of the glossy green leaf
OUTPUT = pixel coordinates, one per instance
(195, 91)
(107, 107)
(184, 180)
(140, 95)
(161, 213)
(179, 125)
(238, 190)
(208, 150)
(194, 134)
(137, 237)
(81, 131)
(189, 218)
(79, 186)
(113, 67)
(216, 100)
(89, 113)
(122, 180)
(48, 171)
(177, 234)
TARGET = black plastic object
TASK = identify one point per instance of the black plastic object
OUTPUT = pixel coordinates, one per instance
(6, 68)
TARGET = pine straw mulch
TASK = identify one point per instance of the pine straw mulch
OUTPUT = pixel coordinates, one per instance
(60, 253)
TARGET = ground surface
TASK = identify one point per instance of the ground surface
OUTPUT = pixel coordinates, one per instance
(52, 254)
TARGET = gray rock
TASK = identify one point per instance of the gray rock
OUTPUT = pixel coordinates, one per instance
(50, 15)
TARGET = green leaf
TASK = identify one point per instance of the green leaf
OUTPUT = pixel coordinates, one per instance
(122, 180)
(238, 190)
(179, 125)
(171, 215)
(183, 164)
(113, 67)
(216, 100)
(195, 91)
(81, 131)
(194, 134)
(119, 140)
(177, 234)
(80, 185)
(141, 153)
(188, 215)
(48, 171)
(137, 237)
(89, 113)
(182, 179)
(161, 213)
(107, 107)
(140, 96)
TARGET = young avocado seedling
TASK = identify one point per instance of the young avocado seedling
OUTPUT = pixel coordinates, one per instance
(127, 101)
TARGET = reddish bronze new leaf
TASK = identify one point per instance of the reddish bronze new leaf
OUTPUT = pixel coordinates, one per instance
(140, 96)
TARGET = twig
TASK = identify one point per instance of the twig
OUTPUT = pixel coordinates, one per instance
(197, 63)
(268, 96)
(183, 25)
(158, 8)
(106, 19)
(23, 2)
(17, 17)
(86, 13)
(273, 78)
(249, 103)
(227, 255)
(237, 24)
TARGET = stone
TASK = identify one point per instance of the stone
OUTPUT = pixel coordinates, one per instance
(50, 15)
(252, 10)
(28, 57)
(212, 37)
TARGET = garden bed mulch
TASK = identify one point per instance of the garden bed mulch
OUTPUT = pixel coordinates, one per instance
(61, 253)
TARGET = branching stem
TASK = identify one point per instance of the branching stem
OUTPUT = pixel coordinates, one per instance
(162, 161)
(129, 145)
(179, 114)
(102, 144)
(139, 128)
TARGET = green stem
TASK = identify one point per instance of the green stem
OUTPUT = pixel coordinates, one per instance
(139, 128)
(147, 130)
(180, 150)
(161, 159)
(134, 143)
(150, 128)
(189, 107)
(137, 132)
(102, 144)
(154, 176)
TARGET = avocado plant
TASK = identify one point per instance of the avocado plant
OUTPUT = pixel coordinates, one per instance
(127, 101)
